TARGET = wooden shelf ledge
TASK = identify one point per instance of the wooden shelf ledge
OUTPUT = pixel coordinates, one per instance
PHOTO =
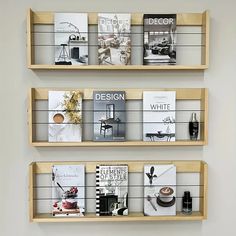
(115, 67)
(117, 144)
(91, 217)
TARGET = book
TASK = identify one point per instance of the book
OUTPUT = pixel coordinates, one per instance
(64, 116)
(68, 190)
(159, 115)
(71, 38)
(109, 115)
(114, 39)
(111, 190)
(159, 40)
(159, 190)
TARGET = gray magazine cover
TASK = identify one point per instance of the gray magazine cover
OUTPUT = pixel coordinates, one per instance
(159, 39)
(109, 115)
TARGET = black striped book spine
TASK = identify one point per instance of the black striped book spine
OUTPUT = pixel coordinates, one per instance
(97, 190)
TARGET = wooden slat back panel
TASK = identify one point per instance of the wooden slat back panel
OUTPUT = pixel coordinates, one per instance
(131, 94)
(183, 19)
(134, 166)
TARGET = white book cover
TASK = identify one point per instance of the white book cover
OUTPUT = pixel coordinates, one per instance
(159, 115)
(68, 190)
(71, 38)
(159, 190)
(111, 190)
(64, 116)
(114, 39)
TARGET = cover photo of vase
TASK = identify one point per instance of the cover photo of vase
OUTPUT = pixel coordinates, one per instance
(64, 116)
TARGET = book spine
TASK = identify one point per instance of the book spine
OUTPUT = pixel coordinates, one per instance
(97, 191)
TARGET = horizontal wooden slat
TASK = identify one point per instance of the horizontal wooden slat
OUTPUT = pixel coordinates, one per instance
(131, 94)
(117, 67)
(183, 19)
(133, 216)
(117, 144)
(134, 166)
(134, 94)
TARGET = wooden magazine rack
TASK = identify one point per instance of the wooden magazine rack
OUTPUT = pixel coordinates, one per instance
(45, 168)
(36, 18)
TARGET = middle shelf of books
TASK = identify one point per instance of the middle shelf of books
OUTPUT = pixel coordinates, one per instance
(117, 191)
(118, 117)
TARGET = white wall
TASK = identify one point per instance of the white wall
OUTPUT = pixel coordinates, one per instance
(16, 154)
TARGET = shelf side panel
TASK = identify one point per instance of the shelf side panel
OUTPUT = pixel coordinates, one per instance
(30, 38)
(32, 203)
(205, 38)
(204, 116)
(204, 189)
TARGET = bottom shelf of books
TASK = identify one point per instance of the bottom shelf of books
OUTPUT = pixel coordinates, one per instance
(117, 191)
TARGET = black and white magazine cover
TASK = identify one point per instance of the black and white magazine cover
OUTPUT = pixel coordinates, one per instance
(71, 38)
(159, 39)
(68, 190)
(114, 39)
(109, 115)
(111, 190)
(159, 190)
(159, 115)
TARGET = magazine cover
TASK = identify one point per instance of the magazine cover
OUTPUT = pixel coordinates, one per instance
(109, 115)
(68, 190)
(71, 38)
(114, 39)
(159, 115)
(64, 116)
(159, 190)
(159, 39)
(111, 190)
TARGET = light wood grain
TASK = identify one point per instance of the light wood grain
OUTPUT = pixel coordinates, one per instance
(131, 94)
(204, 189)
(195, 216)
(32, 205)
(116, 67)
(204, 117)
(30, 38)
(183, 19)
(134, 166)
(205, 38)
(117, 144)
(36, 168)
(30, 109)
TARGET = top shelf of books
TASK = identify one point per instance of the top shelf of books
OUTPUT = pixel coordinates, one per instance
(117, 41)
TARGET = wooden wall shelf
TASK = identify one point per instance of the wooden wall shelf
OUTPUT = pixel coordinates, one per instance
(201, 94)
(35, 18)
(37, 168)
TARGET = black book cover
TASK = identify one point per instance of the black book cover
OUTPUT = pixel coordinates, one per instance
(159, 39)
